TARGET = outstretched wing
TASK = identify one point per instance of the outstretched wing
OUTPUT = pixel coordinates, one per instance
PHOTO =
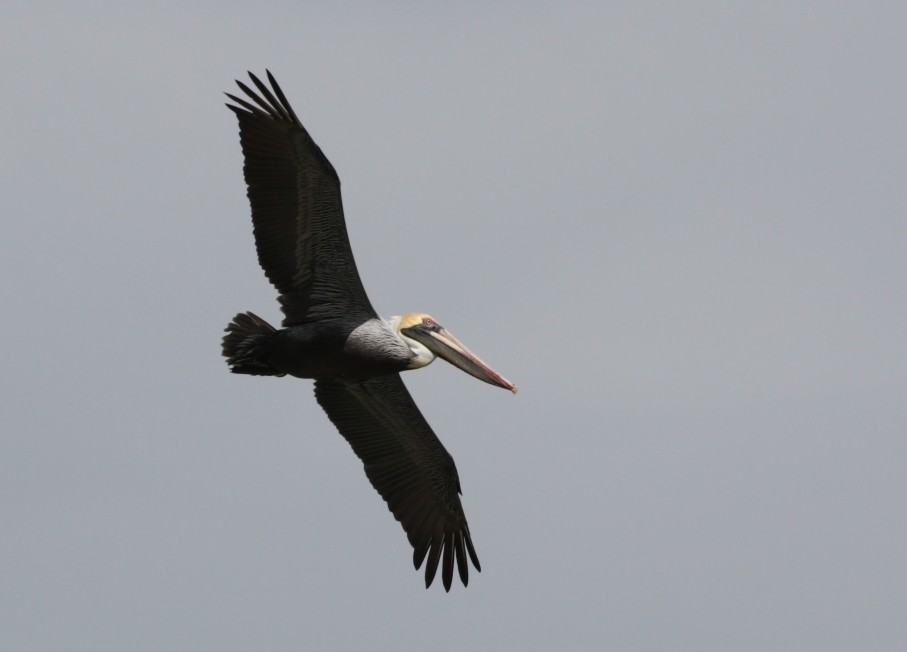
(409, 467)
(300, 233)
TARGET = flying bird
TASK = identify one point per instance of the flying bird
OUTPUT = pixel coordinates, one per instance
(332, 334)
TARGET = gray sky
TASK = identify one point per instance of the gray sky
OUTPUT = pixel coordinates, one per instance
(679, 227)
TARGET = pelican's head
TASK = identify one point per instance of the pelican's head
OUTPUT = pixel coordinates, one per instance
(427, 339)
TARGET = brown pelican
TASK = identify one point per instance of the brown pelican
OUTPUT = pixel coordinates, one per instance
(332, 334)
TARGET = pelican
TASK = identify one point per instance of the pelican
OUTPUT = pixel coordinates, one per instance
(332, 334)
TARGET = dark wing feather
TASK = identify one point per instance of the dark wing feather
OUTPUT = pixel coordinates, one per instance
(300, 233)
(408, 466)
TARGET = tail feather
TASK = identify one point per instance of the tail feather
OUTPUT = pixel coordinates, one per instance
(247, 344)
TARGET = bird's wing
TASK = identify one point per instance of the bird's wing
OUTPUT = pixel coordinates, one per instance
(408, 466)
(300, 233)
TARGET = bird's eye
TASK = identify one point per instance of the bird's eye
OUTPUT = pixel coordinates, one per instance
(428, 321)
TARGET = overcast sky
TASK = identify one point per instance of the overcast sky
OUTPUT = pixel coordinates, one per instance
(680, 228)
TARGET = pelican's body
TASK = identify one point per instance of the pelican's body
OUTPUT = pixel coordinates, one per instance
(333, 335)
(337, 349)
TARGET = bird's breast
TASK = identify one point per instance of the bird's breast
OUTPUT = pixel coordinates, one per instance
(340, 351)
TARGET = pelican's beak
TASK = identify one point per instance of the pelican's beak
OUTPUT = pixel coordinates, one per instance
(443, 344)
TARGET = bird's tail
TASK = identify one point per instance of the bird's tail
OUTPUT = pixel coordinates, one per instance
(247, 344)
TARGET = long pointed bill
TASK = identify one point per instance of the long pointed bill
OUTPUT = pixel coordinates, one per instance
(446, 346)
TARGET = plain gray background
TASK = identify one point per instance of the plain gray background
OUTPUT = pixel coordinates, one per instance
(679, 227)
